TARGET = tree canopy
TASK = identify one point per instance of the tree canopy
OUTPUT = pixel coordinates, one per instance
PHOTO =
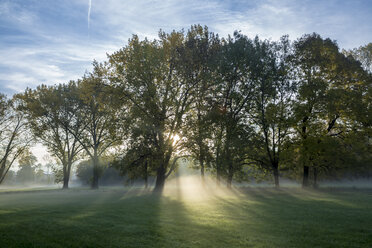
(298, 109)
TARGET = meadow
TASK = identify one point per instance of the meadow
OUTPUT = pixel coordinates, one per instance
(212, 217)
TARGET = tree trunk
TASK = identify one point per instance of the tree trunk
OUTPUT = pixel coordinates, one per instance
(95, 171)
(315, 185)
(146, 177)
(201, 161)
(230, 176)
(160, 179)
(65, 177)
(65, 182)
(1, 174)
(66, 174)
(229, 180)
(218, 172)
(200, 144)
(305, 180)
(276, 175)
(146, 182)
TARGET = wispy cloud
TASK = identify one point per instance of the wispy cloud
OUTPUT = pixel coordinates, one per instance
(89, 8)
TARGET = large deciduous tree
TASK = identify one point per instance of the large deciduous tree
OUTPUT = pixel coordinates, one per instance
(199, 59)
(149, 75)
(327, 85)
(273, 98)
(48, 112)
(233, 94)
(98, 112)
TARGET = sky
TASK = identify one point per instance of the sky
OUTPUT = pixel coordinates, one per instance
(54, 41)
(49, 42)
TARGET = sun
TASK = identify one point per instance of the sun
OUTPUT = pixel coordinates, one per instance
(175, 138)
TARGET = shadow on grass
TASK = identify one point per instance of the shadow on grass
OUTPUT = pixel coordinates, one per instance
(80, 219)
(253, 217)
(298, 218)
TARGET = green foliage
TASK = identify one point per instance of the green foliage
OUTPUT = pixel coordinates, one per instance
(325, 103)
(234, 106)
(272, 106)
(58, 174)
(98, 112)
(48, 110)
(156, 78)
(199, 58)
(363, 54)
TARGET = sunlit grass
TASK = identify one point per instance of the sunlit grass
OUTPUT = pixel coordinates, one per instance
(191, 215)
(27, 188)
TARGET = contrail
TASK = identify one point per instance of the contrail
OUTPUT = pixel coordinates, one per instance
(90, 6)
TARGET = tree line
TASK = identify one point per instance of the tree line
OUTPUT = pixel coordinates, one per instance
(239, 108)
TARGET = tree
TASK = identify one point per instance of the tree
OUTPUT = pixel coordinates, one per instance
(98, 112)
(327, 83)
(48, 111)
(199, 58)
(26, 173)
(358, 121)
(233, 94)
(363, 54)
(10, 178)
(136, 163)
(148, 76)
(135, 159)
(108, 174)
(14, 136)
(271, 111)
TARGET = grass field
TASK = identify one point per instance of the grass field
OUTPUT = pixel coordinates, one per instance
(191, 218)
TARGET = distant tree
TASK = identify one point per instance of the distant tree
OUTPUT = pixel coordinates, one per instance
(40, 176)
(363, 54)
(27, 165)
(10, 178)
(84, 171)
(108, 175)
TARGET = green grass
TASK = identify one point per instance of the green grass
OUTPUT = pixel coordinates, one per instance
(251, 218)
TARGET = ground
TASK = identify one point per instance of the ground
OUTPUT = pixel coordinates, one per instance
(248, 217)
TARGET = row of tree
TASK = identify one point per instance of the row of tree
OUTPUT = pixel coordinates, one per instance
(29, 172)
(236, 106)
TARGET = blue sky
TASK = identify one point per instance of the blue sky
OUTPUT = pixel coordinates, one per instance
(49, 41)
